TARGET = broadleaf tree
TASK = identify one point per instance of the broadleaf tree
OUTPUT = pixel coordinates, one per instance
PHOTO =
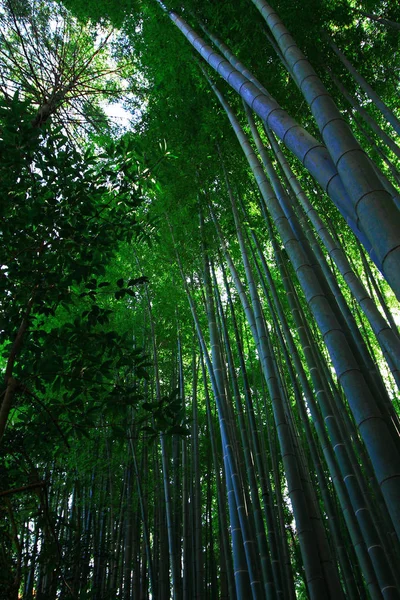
(200, 325)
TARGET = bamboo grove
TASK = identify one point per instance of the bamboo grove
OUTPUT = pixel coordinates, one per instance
(199, 323)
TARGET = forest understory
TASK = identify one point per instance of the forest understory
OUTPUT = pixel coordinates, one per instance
(199, 317)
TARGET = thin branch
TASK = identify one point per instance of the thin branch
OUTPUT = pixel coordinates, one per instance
(23, 488)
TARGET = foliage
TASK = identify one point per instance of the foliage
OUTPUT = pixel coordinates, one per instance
(63, 216)
(112, 418)
(64, 69)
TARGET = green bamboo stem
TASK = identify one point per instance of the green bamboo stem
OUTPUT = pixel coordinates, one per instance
(292, 354)
(274, 541)
(313, 568)
(232, 474)
(340, 443)
(266, 568)
(382, 135)
(253, 567)
(381, 328)
(381, 20)
(313, 155)
(347, 322)
(175, 568)
(144, 520)
(337, 477)
(367, 88)
(220, 495)
(368, 200)
(368, 416)
(388, 185)
(198, 546)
